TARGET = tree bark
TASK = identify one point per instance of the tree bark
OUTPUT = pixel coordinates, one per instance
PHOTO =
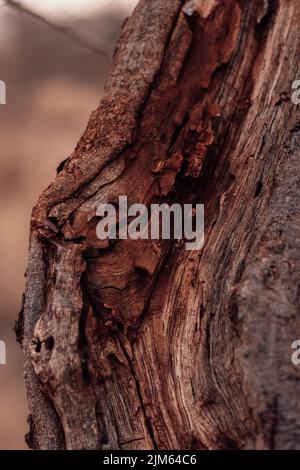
(142, 344)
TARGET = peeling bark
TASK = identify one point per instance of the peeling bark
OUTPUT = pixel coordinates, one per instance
(142, 344)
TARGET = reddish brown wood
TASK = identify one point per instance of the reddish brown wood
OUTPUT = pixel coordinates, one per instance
(142, 345)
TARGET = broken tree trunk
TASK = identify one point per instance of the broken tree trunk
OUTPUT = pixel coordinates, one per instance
(142, 344)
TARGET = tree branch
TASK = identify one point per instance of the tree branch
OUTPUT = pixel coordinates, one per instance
(59, 28)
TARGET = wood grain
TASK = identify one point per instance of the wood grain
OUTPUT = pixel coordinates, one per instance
(144, 345)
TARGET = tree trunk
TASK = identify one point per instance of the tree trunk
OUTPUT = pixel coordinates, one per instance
(142, 344)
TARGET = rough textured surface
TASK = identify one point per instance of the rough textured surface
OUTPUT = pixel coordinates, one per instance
(141, 344)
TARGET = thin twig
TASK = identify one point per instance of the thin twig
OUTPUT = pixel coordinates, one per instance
(61, 29)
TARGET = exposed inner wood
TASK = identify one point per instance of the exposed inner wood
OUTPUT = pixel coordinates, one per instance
(142, 344)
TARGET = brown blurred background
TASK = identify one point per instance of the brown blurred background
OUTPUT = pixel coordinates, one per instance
(53, 84)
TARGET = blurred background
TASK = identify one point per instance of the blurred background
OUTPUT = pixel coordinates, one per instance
(54, 72)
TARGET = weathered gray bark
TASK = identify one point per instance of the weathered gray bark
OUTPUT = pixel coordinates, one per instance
(144, 344)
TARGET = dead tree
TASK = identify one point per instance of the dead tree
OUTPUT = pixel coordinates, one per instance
(142, 344)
